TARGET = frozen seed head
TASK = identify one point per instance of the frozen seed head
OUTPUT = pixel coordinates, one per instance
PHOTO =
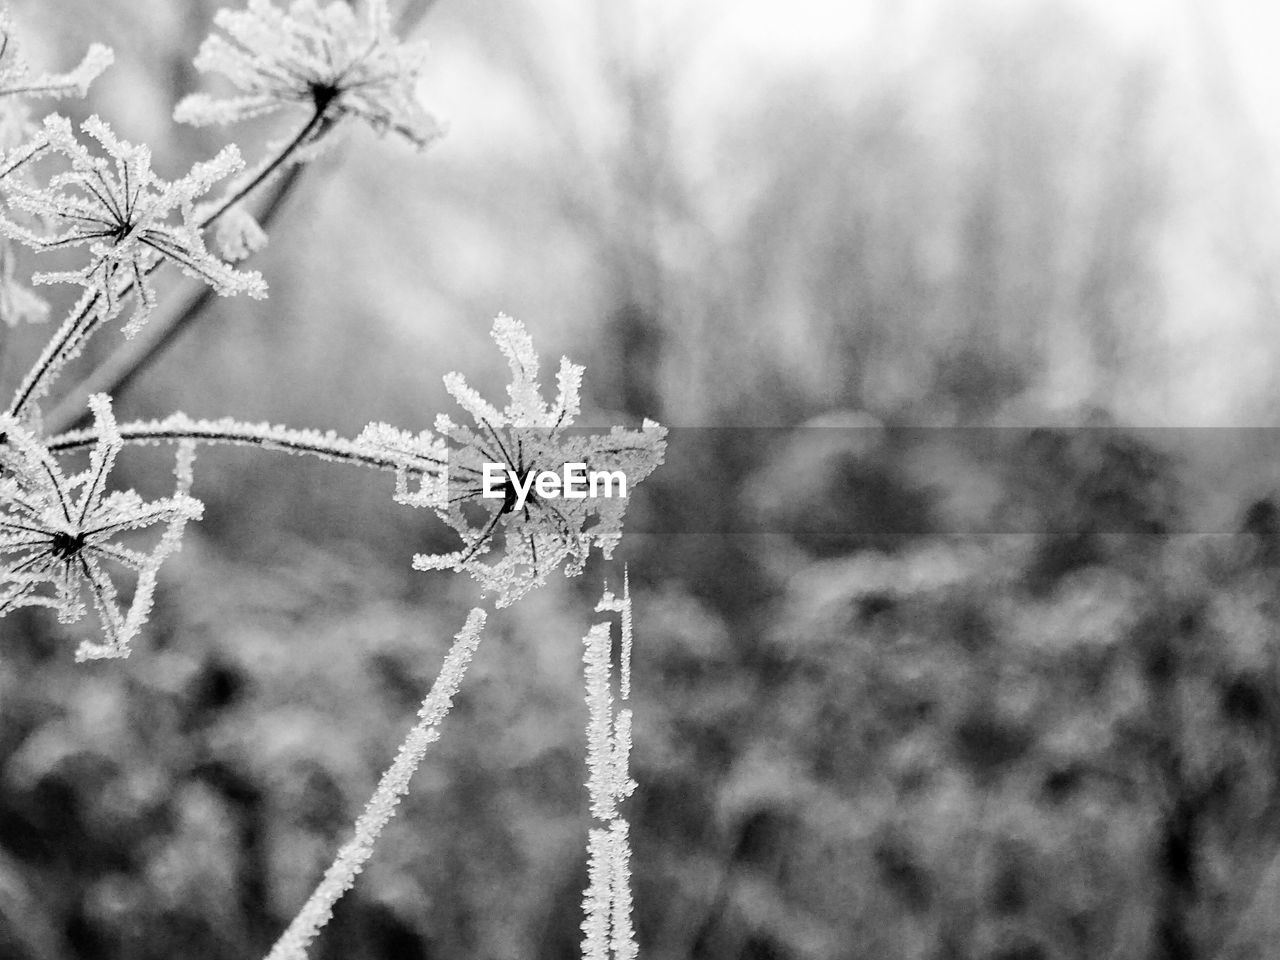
(524, 439)
(129, 219)
(323, 56)
(59, 534)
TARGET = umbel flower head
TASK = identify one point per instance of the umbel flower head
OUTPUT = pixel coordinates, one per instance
(60, 532)
(323, 56)
(524, 439)
(123, 213)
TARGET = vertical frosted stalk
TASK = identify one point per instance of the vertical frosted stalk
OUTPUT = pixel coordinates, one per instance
(606, 928)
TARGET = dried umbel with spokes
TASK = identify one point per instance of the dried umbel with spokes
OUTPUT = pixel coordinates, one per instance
(323, 56)
(128, 218)
(60, 534)
(525, 438)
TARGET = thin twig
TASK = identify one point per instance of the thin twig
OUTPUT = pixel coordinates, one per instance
(313, 130)
(75, 328)
(176, 428)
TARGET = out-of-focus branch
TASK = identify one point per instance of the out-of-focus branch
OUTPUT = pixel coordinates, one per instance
(413, 13)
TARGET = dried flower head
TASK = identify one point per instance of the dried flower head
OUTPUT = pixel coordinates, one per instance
(61, 530)
(123, 213)
(526, 438)
(323, 56)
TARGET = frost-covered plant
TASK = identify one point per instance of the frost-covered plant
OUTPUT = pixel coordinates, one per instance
(63, 530)
(124, 214)
(526, 437)
(67, 533)
(322, 56)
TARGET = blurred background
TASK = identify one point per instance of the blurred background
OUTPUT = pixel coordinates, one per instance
(1058, 739)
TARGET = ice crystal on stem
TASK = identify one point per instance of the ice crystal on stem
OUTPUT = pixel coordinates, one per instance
(341, 875)
(325, 56)
(60, 530)
(123, 213)
(526, 438)
(607, 930)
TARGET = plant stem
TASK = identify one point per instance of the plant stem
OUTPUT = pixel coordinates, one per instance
(326, 446)
(392, 786)
(64, 344)
(314, 128)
